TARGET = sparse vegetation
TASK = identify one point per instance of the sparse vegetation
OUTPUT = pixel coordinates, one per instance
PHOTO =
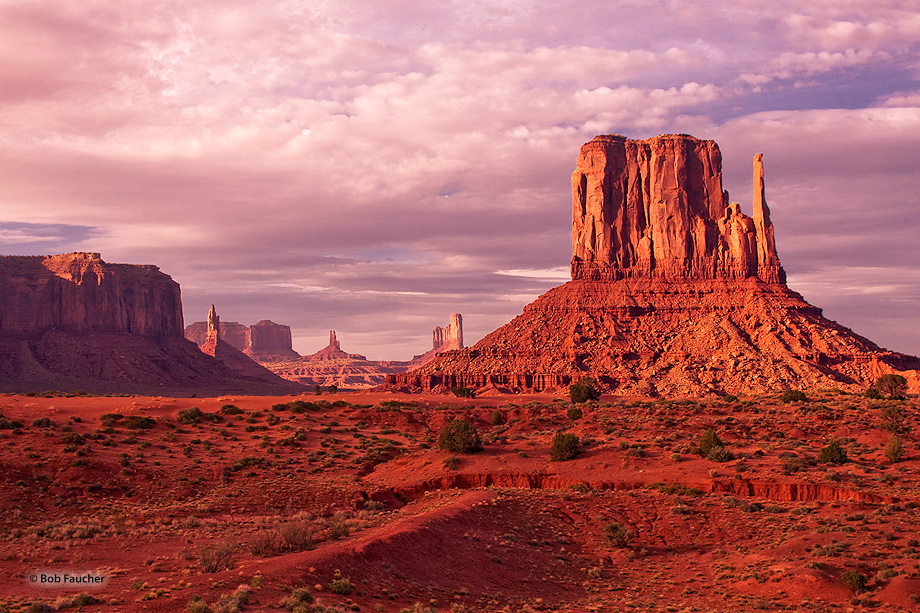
(854, 580)
(584, 390)
(793, 396)
(230, 409)
(564, 446)
(340, 585)
(459, 436)
(712, 448)
(216, 557)
(617, 535)
(891, 385)
(462, 392)
(833, 453)
(574, 413)
(894, 449)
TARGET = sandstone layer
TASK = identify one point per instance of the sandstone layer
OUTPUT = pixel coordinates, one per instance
(443, 338)
(74, 322)
(674, 291)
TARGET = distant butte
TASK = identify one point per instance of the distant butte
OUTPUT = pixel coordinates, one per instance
(674, 291)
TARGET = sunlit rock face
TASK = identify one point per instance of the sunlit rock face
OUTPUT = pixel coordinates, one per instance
(674, 291)
(656, 208)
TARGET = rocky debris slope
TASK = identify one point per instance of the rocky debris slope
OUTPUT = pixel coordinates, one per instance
(673, 291)
(74, 322)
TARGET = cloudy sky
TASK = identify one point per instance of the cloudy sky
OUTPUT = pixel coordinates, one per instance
(373, 166)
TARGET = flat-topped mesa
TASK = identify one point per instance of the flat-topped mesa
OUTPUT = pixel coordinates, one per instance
(80, 293)
(656, 208)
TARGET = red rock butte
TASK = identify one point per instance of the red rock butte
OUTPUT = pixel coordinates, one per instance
(674, 291)
(74, 322)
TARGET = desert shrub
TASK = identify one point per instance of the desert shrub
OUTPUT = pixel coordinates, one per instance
(462, 392)
(710, 442)
(564, 446)
(340, 585)
(9, 424)
(340, 403)
(496, 418)
(136, 422)
(617, 535)
(730, 398)
(791, 463)
(450, 463)
(71, 438)
(299, 406)
(230, 409)
(854, 580)
(43, 422)
(873, 394)
(891, 385)
(189, 416)
(297, 535)
(197, 605)
(833, 453)
(234, 601)
(584, 390)
(574, 413)
(264, 543)
(216, 557)
(333, 388)
(894, 449)
(298, 598)
(675, 489)
(793, 396)
(459, 437)
(338, 527)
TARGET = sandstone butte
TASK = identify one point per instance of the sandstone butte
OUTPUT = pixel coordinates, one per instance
(74, 322)
(269, 344)
(674, 291)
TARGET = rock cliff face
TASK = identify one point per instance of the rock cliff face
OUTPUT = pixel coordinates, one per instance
(448, 337)
(656, 208)
(674, 291)
(79, 293)
(73, 321)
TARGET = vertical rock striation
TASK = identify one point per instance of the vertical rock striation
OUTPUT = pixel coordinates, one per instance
(448, 337)
(656, 208)
(674, 291)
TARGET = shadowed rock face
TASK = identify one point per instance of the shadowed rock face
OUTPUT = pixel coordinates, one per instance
(73, 321)
(656, 208)
(674, 291)
(78, 293)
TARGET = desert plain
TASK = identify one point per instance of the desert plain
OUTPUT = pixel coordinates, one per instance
(345, 502)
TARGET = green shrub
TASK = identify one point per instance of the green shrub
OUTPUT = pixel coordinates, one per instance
(792, 396)
(197, 605)
(230, 409)
(891, 385)
(873, 394)
(617, 535)
(462, 392)
(496, 418)
(730, 398)
(564, 446)
(584, 390)
(459, 437)
(189, 416)
(298, 597)
(333, 388)
(43, 422)
(854, 580)
(136, 422)
(340, 585)
(894, 449)
(710, 442)
(574, 413)
(833, 453)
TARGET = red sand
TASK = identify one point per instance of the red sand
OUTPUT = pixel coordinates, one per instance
(501, 530)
